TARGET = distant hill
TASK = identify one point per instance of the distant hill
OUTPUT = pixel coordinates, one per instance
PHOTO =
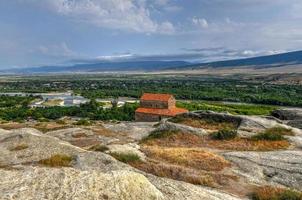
(257, 62)
(105, 67)
(276, 60)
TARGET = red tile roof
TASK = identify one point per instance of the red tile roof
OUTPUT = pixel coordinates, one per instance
(163, 112)
(156, 97)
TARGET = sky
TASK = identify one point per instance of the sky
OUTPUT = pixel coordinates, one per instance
(64, 32)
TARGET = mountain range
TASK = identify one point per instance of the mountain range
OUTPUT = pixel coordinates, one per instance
(277, 60)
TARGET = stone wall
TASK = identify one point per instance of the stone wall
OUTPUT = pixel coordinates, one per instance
(143, 117)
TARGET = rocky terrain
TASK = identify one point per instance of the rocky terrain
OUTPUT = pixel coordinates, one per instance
(83, 163)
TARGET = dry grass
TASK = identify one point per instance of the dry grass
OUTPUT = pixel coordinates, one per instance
(176, 173)
(187, 157)
(203, 123)
(239, 144)
(58, 160)
(19, 147)
(274, 193)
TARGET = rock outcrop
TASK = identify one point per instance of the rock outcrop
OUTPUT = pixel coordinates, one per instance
(93, 175)
(247, 126)
(278, 167)
(292, 116)
(81, 137)
(67, 183)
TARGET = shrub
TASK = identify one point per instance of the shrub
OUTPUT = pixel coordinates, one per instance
(224, 134)
(19, 147)
(83, 122)
(99, 147)
(280, 130)
(58, 160)
(271, 193)
(126, 157)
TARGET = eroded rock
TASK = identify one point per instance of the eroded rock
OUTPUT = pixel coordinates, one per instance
(278, 167)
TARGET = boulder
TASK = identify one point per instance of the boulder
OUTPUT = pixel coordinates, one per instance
(288, 114)
(277, 167)
(130, 148)
(166, 125)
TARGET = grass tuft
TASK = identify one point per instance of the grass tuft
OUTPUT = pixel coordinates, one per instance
(58, 160)
(99, 147)
(126, 157)
(158, 135)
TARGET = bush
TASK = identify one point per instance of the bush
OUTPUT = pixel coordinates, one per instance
(270, 136)
(224, 134)
(126, 157)
(99, 147)
(271, 193)
(58, 160)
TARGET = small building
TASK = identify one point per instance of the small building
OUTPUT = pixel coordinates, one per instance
(154, 107)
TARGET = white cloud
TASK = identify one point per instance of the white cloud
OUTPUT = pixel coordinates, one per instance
(200, 22)
(126, 15)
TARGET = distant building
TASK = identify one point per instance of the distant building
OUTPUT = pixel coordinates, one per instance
(154, 107)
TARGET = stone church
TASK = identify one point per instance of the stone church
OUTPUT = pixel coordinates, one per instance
(154, 107)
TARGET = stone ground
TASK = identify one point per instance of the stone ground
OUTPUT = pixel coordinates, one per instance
(97, 175)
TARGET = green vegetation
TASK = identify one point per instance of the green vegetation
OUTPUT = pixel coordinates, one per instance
(280, 130)
(224, 134)
(15, 101)
(99, 147)
(198, 87)
(242, 109)
(126, 158)
(89, 110)
(273, 134)
(58, 160)
(270, 136)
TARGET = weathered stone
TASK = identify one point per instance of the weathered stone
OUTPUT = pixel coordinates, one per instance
(68, 183)
(278, 167)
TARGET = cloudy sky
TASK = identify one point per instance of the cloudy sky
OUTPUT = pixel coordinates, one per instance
(49, 32)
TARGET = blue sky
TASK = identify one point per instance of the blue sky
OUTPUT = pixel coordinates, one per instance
(64, 32)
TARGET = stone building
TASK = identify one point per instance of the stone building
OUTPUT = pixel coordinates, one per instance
(154, 107)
